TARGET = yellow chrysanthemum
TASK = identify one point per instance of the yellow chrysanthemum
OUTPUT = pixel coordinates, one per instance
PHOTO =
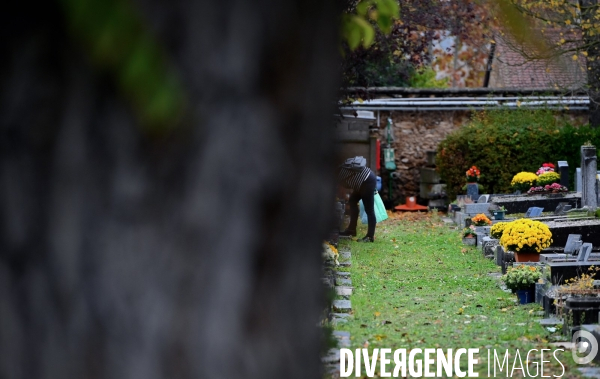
(525, 235)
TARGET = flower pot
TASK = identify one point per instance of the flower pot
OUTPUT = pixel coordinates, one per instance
(527, 257)
(469, 241)
(499, 215)
(525, 296)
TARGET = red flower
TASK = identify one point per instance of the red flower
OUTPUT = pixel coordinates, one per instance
(473, 171)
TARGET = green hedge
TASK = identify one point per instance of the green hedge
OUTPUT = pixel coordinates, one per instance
(503, 142)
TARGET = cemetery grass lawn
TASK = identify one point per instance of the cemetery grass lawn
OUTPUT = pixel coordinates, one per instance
(417, 286)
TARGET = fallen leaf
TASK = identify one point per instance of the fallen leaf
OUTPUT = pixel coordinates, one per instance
(377, 314)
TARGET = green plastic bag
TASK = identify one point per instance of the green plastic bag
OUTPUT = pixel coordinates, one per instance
(380, 212)
(389, 159)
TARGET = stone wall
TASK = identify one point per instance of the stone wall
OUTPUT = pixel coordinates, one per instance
(414, 134)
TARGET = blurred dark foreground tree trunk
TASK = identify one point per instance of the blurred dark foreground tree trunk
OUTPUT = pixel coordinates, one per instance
(190, 252)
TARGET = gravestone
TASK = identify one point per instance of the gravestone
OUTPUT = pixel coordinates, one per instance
(473, 191)
(488, 246)
(584, 252)
(572, 246)
(563, 170)
(562, 208)
(573, 243)
(499, 255)
(534, 212)
(589, 172)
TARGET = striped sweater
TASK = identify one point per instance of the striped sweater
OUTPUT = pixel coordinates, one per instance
(353, 179)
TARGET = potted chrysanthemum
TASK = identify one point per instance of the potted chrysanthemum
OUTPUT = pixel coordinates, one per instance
(469, 235)
(526, 238)
(497, 229)
(522, 279)
(523, 181)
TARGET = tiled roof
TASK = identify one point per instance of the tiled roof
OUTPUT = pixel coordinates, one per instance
(511, 69)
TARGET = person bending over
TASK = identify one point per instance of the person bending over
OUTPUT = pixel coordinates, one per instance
(363, 183)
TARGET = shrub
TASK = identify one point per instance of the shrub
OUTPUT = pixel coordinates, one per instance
(504, 142)
(548, 178)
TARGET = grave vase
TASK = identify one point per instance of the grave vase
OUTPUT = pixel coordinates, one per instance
(527, 257)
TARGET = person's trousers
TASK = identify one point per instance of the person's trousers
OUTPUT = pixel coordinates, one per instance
(366, 193)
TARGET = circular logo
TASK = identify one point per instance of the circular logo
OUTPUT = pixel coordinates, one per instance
(584, 343)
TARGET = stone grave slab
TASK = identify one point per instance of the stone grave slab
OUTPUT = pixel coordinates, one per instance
(475, 209)
(342, 315)
(343, 282)
(561, 271)
(520, 203)
(333, 356)
(342, 306)
(342, 337)
(589, 229)
(343, 291)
